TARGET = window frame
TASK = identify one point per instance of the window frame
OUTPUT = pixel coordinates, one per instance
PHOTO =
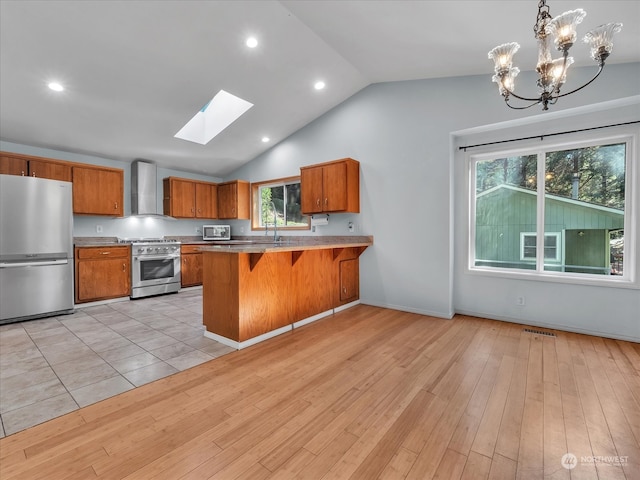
(558, 254)
(255, 204)
(541, 146)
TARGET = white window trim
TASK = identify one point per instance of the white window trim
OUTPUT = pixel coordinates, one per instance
(628, 134)
(558, 236)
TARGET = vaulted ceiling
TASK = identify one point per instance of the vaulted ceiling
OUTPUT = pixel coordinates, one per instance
(135, 72)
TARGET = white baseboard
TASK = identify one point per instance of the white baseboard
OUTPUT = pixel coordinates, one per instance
(247, 343)
(345, 306)
(312, 318)
(552, 326)
(419, 311)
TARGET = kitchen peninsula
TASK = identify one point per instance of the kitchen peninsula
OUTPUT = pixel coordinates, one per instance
(256, 289)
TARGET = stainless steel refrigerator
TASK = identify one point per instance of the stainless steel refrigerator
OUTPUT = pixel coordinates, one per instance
(36, 248)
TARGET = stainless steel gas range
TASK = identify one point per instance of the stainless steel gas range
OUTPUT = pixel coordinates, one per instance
(155, 266)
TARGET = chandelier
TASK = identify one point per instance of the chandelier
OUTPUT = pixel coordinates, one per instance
(552, 74)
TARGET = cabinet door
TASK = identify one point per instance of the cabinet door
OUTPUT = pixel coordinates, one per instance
(183, 198)
(349, 279)
(98, 191)
(191, 271)
(334, 187)
(13, 166)
(54, 171)
(311, 198)
(206, 200)
(227, 200)
(101, 279)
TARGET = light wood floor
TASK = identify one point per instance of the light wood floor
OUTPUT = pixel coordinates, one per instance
(368, 393)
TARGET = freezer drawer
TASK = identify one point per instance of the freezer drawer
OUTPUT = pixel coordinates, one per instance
(32, 290)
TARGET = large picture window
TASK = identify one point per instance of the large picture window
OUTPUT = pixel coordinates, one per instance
(561, 211)
(277, 200)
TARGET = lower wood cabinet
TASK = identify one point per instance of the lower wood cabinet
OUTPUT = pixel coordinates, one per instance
(191, 265)
(102, 273)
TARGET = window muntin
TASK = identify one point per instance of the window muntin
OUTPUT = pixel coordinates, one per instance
(552, 246)
(284, 194)
(596, 216)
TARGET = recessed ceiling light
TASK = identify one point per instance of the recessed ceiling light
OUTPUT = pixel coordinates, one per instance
(252, 42)
(265, 139)
(56, 87)
(214, 117)
(319, 85)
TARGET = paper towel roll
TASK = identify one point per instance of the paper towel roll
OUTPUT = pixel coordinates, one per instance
(319, 220)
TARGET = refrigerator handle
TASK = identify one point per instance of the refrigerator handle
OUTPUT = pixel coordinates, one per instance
(63, 261)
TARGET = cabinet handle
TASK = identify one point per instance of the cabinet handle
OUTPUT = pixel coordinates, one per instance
(326, 201)
(22, 173)
(105, 253)
(344, 290)
(33, 174)
(115, 206)
(317, 202)
(124, 267)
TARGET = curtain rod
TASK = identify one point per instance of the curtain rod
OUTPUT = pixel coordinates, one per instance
(541, 137)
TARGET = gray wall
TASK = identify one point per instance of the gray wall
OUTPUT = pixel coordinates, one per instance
(400, 132)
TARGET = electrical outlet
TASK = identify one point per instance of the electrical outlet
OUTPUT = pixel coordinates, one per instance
(198, 230)
(351, 226)
(98, 228)
(520, 301)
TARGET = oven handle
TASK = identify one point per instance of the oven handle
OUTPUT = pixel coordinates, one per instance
(162, 257)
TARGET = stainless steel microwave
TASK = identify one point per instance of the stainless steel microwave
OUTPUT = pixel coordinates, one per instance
(216, 232)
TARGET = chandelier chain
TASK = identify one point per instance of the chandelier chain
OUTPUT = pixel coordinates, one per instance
(544, 15)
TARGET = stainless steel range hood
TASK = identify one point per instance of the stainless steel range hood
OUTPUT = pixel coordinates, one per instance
(144, 190)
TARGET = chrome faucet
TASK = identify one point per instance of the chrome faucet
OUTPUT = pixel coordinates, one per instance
(275, 223)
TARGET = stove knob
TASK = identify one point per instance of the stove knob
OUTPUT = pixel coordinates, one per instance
(157, 249)
(165, 249)
(149, 249)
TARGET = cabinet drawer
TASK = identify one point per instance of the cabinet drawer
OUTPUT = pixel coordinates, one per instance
(187, 249)
(83, 253)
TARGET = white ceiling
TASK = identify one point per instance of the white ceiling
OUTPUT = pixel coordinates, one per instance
(136, 71)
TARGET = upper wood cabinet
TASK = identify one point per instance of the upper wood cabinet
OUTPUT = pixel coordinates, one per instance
(13, 166)
(98, 191)
(234, 201)
(185, 198)
(206, 200)
(331, 187)
(35, 167)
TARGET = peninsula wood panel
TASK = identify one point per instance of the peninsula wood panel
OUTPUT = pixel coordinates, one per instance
(401, 399)
(221, 294)
(312, 273)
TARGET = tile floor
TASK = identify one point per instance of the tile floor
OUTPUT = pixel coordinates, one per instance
(52, 366)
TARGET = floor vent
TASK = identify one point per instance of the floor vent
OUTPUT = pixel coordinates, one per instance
(538, 332)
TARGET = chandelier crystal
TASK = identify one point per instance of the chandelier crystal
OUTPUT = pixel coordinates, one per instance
(552, 74)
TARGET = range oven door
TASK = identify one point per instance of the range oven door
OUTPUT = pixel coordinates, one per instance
(148, 271)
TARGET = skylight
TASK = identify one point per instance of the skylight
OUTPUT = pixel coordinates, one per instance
(220, 112)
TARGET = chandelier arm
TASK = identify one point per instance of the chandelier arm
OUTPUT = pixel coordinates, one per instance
(535, 102)
(600, 69)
